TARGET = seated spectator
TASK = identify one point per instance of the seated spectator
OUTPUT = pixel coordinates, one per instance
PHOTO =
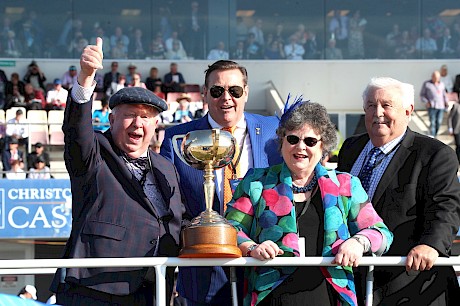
(426, 45)
(33, 98)
(35, 77)
(12, 153)
(183, 113)
(176, 53)
(239, 51)
(159, 93)
(218, 53)
(155, 146)
(131, 72)
(137, 47)
(274, 51)
(253, 48)
(101, 117)
(405, 48)
(332, 52)
(153, 81)
(69, 77)
(111, 76)
(116, 86)
(39, 171)
(173, 81)
(99, 90)
(14, 92)
(17, 129)
(170, 41)
(136, 81)
(120, 43)
(56, 98)
(294, 50)
(12, 46)
(157, 47)
(39, 151)
(199, 113)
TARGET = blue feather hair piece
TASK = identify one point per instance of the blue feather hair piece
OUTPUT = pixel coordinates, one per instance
(289, 108)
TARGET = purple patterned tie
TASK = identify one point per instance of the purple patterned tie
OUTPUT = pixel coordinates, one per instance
(366, 172)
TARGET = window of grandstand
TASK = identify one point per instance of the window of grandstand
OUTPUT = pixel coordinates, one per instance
(258, 29)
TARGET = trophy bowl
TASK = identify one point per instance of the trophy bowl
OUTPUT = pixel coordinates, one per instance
(209, 234)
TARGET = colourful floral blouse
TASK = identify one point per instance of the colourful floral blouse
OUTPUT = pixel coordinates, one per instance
(262, 209)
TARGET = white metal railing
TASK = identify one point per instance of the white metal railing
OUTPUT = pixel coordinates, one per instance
(47, 266)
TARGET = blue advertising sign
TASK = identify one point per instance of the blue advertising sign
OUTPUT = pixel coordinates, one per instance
(35, 208)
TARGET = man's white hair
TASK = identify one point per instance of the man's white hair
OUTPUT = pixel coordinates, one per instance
(406, 90)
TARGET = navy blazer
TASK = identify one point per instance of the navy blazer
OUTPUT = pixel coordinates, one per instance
(418, 198)
(111, 215)
(204, 284)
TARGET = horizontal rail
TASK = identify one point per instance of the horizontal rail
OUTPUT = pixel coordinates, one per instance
(41, 266)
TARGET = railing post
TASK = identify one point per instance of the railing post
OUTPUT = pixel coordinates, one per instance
(160, 277)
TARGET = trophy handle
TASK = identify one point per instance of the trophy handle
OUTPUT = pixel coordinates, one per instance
(176, 147)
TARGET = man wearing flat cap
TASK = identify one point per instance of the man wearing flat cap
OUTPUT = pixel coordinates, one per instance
(126, 198)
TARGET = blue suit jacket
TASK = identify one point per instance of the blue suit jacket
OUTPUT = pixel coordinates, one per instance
(204, 284)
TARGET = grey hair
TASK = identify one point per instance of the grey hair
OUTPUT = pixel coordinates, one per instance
(315, 115)
(406, 90)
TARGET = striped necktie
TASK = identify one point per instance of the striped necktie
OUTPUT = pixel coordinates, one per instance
(228, 171)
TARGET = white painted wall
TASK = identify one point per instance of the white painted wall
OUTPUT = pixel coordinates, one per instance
(336, 84)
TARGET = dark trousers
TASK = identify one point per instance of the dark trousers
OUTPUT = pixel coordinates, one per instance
(75, 295)
(457, 145)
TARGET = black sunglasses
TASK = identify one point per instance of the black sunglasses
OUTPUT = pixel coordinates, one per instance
(234, 91)
(309, 141)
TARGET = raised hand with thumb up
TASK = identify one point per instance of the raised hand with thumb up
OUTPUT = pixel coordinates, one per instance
(90, 61)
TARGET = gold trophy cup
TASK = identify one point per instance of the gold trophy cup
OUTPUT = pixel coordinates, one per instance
(209, 234)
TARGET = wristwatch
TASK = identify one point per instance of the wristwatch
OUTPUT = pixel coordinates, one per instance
(364, 241)
(250, 249)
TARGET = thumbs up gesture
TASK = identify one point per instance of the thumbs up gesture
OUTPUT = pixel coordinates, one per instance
(90, 61)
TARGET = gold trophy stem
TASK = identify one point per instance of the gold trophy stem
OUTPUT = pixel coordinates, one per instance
(209, 186)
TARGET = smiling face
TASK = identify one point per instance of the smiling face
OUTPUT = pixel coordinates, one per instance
(226, 110)
(385, 116)
(300, 158)
(132, 127)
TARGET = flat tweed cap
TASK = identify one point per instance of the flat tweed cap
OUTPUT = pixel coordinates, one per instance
(137, 95)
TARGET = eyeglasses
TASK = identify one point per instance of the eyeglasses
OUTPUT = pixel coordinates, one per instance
(234, 91)
(309, 141)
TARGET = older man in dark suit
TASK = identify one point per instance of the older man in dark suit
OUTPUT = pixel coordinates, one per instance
(412, 182)
(126, 199)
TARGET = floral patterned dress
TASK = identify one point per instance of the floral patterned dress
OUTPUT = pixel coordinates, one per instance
(262, 209)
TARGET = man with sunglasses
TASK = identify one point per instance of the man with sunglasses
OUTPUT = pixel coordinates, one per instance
(226, 92)
(413, 186)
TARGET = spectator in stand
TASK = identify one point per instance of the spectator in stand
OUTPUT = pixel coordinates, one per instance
(183, 113)
(131, 72)
(69, 77)
(356, 29)
(137, 48)
(78, 43)
(332, 52)
(274, 51)
(119, 41)
(218, 53)
(16, 171)
(39, 171)
(173, 81)
(338, 29)
(170, 40)
(253, 48)
(111, 76)
(405, 48)
(11, 153)
(33, 98)
(446, 45)
(446, 79)
(241, 29)
(195, 31)
(239, 51)
(116, 86)
(155, 146)
(136, 81)
(426, 45)
(3, 82)
(153, 80)
(99, 89)
(176, 53)
(279, 33)
(157, 47)
(101, 120)
(433, 94)
(258, 32)
(35, 76)
(12, 47)
(391, 40)
(39, 151)
(312, 47)
(100, 32)
(18, 129)
(56, 98)
(293, 50)
(14, 91)
(118, 51)
(201, 112)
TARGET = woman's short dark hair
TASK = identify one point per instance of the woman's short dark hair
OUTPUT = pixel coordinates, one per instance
(316, 116)
(225, 65)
